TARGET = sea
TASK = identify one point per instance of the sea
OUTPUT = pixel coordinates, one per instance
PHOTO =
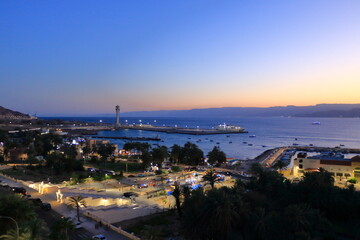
(263, 133)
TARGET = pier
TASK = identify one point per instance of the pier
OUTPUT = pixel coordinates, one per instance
(131, 138)
(191, 131)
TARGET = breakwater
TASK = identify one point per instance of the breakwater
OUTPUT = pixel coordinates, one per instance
(191, 131)
(131, 138)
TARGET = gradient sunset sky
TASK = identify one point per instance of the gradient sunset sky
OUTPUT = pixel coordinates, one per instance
(84, 57)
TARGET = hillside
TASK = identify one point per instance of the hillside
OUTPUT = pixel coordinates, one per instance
(319, 110)
(10, 114)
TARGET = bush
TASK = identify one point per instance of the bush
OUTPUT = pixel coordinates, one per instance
(158, 172)
(352, 180)
(175, 168)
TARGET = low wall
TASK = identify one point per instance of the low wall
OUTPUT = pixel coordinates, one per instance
(112, 227)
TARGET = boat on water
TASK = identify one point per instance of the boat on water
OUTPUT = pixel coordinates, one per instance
(252, 136)
(250, 144)
(230, 142)
(316, 123)
(225, 127)
(263, 145)
(244, 142)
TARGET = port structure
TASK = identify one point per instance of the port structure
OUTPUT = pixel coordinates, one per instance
(117, 123)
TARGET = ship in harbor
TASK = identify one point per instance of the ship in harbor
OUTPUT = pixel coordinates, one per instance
(225, 127)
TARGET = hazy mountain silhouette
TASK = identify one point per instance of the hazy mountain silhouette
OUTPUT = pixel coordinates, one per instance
(319, 110)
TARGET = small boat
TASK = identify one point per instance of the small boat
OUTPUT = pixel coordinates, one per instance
(189, 138)
(295, 144)
(316, 123)
(252, 136)
(342, 145)
(230, 142)
(296, 139)
(244, 142)
(227, 136)
(250, 144)
(311, 144)
(263, 145)
(211, 140)
(217, 143)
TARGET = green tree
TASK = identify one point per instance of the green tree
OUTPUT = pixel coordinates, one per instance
(191, 154)
(210, 176)
(175, 153)
(16, 207)
(280, 165)
(176, 194)
(61, 229)
(77, 202)
(70, 151)
(4, 136)
(105, 150)
(37, 229)
(159, 154)
(216, 156)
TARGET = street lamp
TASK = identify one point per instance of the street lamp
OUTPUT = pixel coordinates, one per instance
(17, 226)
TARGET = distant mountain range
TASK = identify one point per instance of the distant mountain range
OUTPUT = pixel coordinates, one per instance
(10, 114)
(319, 110)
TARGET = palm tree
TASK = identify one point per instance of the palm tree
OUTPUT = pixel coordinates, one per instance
(176, 193)
(77, 202)
(12, 235)
(214, 216)
(37, 229)
(210, 176)
(280, 165)
(61, 229)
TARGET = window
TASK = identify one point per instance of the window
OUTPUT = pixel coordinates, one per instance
(332, 174)
(300, 161)
(339, 174)
(300, 166)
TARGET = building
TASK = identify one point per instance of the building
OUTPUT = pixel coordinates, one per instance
(18, 154)
(117, 109)
(339, 165)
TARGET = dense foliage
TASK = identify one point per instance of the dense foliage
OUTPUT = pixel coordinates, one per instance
(216, 156)
(270, 207)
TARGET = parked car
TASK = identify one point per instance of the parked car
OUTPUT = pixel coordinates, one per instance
(130, 194)
(77, 225)
(36, 201)
(19, 190)
(109, 172)
(99, 237)
(46, 206)
(131, 175)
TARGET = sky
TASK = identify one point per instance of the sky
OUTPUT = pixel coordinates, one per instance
(86, 56)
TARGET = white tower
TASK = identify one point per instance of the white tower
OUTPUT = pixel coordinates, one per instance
(117, 108)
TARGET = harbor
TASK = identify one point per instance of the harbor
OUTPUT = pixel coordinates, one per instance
(130, 138)
(191, 131)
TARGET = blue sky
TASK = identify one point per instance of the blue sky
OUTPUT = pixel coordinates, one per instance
(85, 57)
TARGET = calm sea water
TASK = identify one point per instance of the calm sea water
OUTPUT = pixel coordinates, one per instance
(270, 133)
